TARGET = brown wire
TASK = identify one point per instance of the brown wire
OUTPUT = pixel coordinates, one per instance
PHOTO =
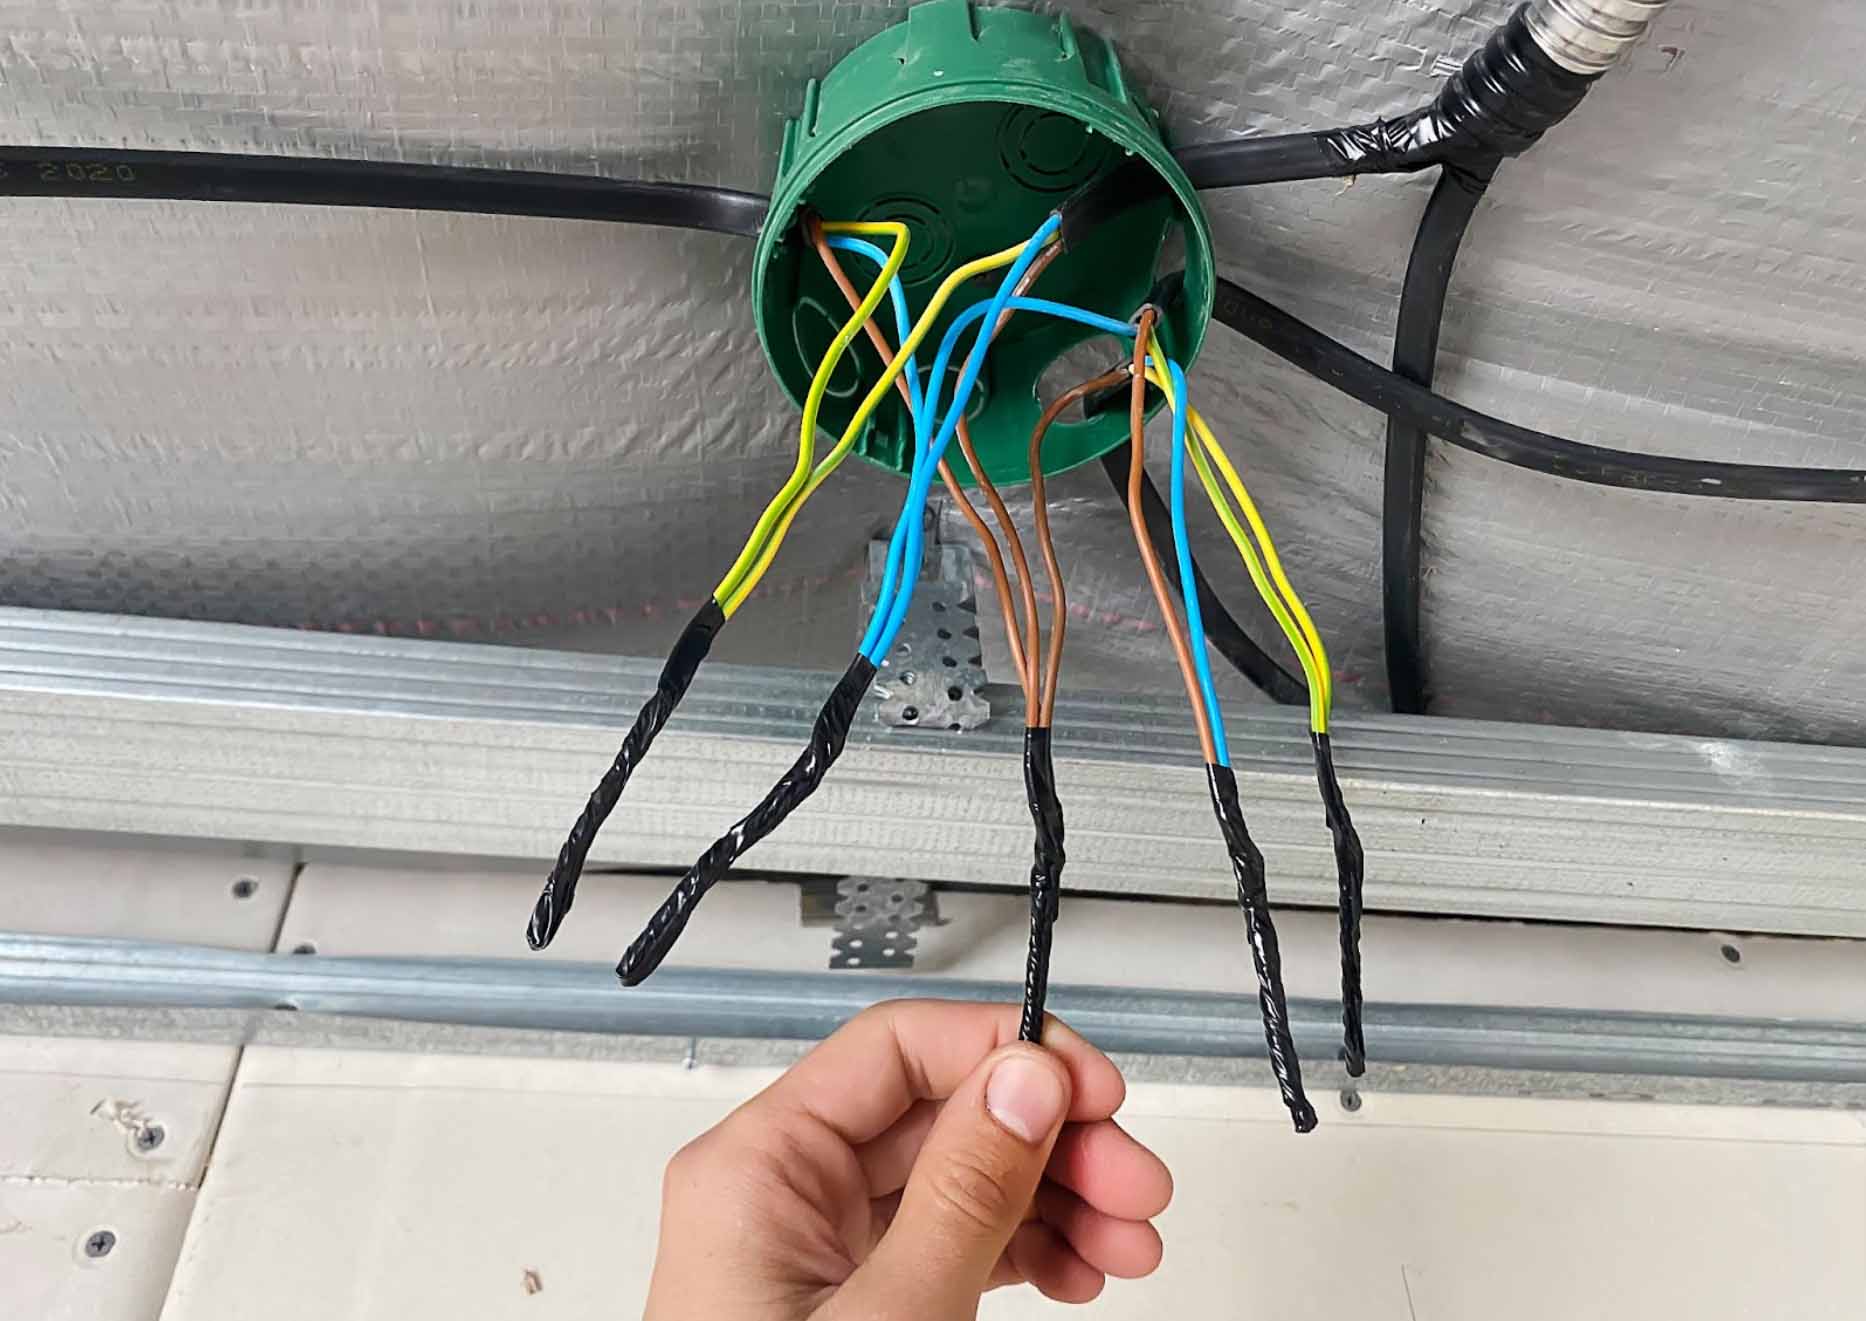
(1049, 254)
(1025, 655)
(1001, 580)
(1136, 470)
(1033, 641)
(1059, 610)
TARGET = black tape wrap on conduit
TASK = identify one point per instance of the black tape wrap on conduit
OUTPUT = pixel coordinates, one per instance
(1046, 876)
(560, 887)
(827, 737)
(1260, 934)
(1503, 98)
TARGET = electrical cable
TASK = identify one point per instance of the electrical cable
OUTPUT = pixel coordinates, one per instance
(1497, 103)
(1415, 355)
(733, 588)
(1149, 556)
(559, 891)
(1258, 551)
(994, 555)
(829, 733)
(1039, 499)
(1046, 809)
(1335, 364)
(206, 176)
(872, 400)
(905, 547)
(1247, 865)
(1182, 553)
(1040, 778)
(1222, 630)
(1039, 769)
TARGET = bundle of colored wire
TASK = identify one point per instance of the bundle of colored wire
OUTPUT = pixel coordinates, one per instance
(909, 385)
(830, 731)
(1247, 865)
(690, 650)
(1258, 552)
(1039, 772)
(1046, 810)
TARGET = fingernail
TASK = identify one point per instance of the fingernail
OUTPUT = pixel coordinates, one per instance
(1025, 1097)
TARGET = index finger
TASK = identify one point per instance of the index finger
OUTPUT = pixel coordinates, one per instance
(873, 1069)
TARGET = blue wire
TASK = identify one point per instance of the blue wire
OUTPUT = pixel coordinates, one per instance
(903, 328)
(890, 616)
(923, 419)
(903, 324)
(1182, 551)
(1069, 312)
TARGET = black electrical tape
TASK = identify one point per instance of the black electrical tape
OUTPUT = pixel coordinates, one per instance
(1415, 355)
(1501, 100)
(313, 181)
(1253, 898)
(560, 887)
(827, 737)
(1350, 876)
(1222, 629)
(1338, 365)
(1499, 103)
(1046, 876)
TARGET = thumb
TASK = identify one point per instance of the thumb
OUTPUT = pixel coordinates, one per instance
(970, 1189)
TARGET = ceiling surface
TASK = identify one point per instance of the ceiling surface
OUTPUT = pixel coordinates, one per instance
(543, 431)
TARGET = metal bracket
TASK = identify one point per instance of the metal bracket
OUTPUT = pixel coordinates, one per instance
(935, 673)
(877, 918)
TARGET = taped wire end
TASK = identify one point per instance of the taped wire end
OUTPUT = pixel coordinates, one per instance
(827, 737)
(1247, 867)
(560, 887)
(1046, 874)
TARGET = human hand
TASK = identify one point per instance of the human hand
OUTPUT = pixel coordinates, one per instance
(915, 1159)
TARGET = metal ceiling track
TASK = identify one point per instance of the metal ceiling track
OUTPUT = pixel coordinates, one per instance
(540, 995)
(317, 740)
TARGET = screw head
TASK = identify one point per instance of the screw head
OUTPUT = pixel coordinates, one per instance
(99, 1244)
(1350, 1100)
(245, 888)
(1731, 954)
(149, 1137)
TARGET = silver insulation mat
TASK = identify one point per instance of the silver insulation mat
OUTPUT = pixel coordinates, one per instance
(526, 430)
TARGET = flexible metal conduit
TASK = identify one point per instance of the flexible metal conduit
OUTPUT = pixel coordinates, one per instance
(1587, 36)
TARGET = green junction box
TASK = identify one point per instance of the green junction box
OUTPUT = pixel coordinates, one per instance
(970, 124)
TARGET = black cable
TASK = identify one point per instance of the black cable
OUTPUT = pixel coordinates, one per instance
(827, 738)
(560, 887)
(1253, 898)
(1334, 363)
(1046, 876)
(1274, 158)
(316, 181)
(1415, 355)
(1222, 629)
